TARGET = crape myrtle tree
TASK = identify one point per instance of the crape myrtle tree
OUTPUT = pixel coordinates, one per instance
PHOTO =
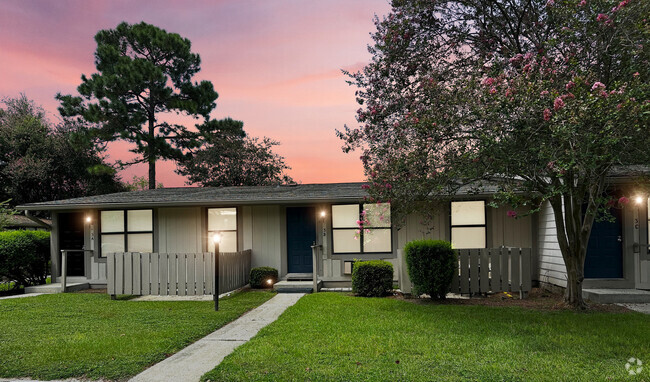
(540, 98)
(143, 72)
(227, 156)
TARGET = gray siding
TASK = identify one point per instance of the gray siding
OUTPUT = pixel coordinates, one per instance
(551, 264)
(180, 230)
(264, 230)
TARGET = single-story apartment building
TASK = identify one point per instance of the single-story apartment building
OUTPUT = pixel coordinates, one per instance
(279, 224)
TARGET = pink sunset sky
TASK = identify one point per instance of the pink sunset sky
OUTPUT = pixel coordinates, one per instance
(276, 65)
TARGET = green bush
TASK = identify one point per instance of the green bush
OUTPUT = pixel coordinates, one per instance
(431, 265)
(261, 275)
(24, 257)
(372, 278)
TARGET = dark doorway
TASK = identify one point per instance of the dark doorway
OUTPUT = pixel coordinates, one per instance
(71, 236)
(605, 249)
(301, 235)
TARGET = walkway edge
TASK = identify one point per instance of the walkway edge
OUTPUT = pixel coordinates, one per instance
(189, 364)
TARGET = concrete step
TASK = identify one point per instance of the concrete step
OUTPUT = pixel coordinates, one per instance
(614, 296)
(285, 286)
(56, 288)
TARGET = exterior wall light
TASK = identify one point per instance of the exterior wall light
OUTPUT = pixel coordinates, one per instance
(322, 214)
(638, 199)
(89, 219)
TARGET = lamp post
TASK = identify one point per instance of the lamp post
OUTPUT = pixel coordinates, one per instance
(216, 239)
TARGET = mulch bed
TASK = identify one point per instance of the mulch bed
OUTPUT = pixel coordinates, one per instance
(538, 299)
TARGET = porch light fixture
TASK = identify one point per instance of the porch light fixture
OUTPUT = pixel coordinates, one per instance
(322, 214)
(638, 200)
(89, 219)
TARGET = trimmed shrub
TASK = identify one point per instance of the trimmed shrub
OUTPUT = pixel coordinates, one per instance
(261, 275)
(431, 265)
(372, 278)
(24, 257)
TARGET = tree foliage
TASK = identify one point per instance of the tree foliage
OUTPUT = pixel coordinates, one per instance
(40, 162)
(541, 98)
(143, 72)
(229, 157)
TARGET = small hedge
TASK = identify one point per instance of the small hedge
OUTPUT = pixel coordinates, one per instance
(372, 278)
(24, 257)
(431, 265)
(260, 275)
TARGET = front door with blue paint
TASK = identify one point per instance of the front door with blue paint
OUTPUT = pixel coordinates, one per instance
(605, 249)
(301, 235)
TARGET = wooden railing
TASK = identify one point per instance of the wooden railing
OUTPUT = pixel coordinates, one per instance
(182, 274)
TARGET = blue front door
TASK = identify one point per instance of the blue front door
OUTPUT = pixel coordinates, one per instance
(301, 235)
(605, 251)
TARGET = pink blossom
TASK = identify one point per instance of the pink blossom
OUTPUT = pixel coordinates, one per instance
(550, 3)
(570, 85)
(512, 214)
(365, 186)
(583, 3)
(619, 106)
(544, 93)
(602, 17)
(623, 200)
(547, 114)
(636, 74)
(598, 85)
(488, 81)
(558, 103)
(493, 90)
(603, 94)
(388, 186)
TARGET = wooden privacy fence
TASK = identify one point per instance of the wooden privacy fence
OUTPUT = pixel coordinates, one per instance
(180, 274)
(493, 270)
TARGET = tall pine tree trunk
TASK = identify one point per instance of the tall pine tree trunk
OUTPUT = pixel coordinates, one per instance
(152, 155)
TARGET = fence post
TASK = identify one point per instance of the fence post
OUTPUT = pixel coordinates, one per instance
(64, 269)
(314, 250)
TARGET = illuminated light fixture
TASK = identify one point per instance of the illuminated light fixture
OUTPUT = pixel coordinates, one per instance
(638, 200)
(216, 238)
(269, 281)
(88, 219)
(322, 214)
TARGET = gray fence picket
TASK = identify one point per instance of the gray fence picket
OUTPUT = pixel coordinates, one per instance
(155, 275)
(505, 273)
(172, 274)
(119, 273)
(526, 280)
(515, 256)
(128, 273)
(473, 270)
(199, 268)
(137, 280)
(464, 271)
(163, 273)
(209, 273)
(146, 263)
(191, 286)
(484, 278)
(182, 274)
(110, 273)
(495, 270)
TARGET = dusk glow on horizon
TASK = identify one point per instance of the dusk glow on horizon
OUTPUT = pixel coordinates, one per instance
(275, 64)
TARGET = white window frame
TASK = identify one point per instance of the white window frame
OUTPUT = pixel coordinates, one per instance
(125, 232)
(361, 234)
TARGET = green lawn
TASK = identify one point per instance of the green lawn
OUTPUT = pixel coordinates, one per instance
(84, 334)
(336, 337)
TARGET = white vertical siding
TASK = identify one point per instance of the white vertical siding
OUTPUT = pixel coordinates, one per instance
(551, 264)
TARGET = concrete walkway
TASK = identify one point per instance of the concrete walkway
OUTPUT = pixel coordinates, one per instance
(641, 308)
(202, 356)
(20, 296)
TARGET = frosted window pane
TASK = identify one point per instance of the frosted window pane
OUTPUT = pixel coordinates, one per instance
(112, 243)
(468, 237)
(377, 240)
(112, 221)
(222, 219)
(378, 215)
(140, 242)
(345, 216)
(345, 242)
(468, 213)
(139, 220)
(228, 242)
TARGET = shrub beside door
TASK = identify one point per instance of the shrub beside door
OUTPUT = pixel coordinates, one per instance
(431, 265)
(372, 278)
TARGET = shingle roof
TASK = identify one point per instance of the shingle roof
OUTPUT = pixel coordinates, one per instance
(189, 196)
(25, 222)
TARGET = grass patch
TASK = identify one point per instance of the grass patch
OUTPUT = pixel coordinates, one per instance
(88, 335)
(337, 337)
